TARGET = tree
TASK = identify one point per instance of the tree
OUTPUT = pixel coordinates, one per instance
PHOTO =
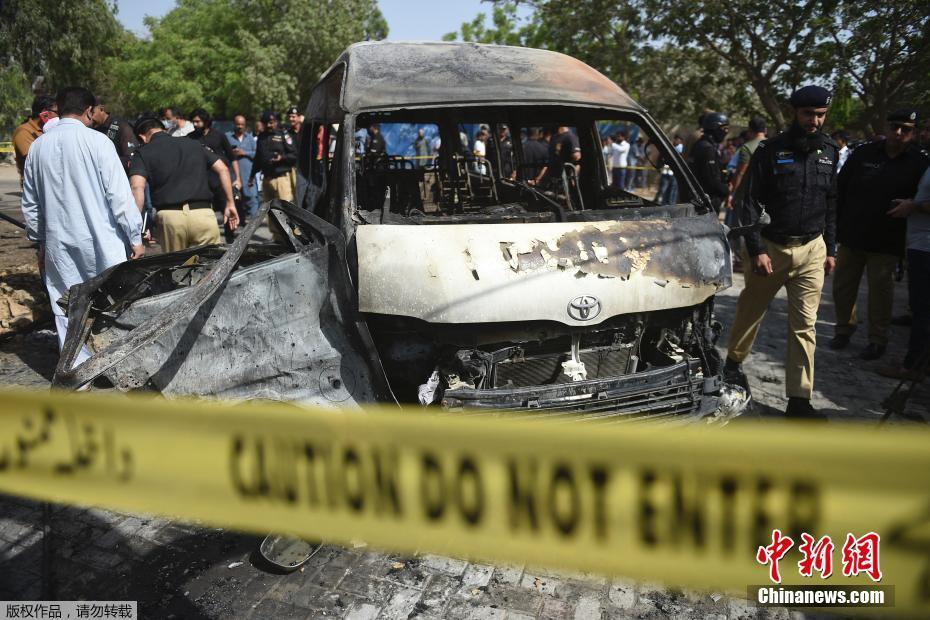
(505, 28)
(882, 51)
(769, 43)
(63, 42)
(674, 83)
(301, 38)
(234, 56)
(193, 58)
(15, 98)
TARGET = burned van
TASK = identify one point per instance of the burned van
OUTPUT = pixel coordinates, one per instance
(465, 242)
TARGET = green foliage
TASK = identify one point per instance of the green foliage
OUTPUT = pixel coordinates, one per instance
(846, 110)
(192, 59)
(676, 83)
(742, 57)
(15, 99)
(765, 42)
(234, 56)
(62, 41)
(505, 28)
(881, 52)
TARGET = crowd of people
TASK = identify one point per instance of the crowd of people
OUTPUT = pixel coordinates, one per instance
(259, 160)
(91, 199)
(806, 204)
(835, 207)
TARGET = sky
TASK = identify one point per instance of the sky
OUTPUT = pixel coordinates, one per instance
(407, 19)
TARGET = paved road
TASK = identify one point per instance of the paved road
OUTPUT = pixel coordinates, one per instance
(177, 570)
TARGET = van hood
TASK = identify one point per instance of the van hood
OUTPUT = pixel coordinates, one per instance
(575, 273)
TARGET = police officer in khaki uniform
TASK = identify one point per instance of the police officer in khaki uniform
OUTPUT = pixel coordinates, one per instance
(177, 172)
(792, 177)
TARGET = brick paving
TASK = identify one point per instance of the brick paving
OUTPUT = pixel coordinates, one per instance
(182, 571)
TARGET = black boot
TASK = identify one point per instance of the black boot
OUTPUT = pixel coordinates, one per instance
(801, 409)
(733, 373)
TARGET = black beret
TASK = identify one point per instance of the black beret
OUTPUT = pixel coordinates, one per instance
(292, 110)
(811, 97)
(904, 115)
(146, 121)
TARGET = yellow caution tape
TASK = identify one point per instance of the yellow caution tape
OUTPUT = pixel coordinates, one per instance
(6, 147)
(684, 506)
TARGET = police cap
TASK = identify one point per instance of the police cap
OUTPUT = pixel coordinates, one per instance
(146, 121)
(811, 97)
(293, 110)
(905, 116)
(714, 120)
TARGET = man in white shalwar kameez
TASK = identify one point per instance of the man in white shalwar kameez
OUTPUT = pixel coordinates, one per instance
(77, 203)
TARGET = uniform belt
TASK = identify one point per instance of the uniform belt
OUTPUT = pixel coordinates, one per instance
(790, 241)
(194, 204)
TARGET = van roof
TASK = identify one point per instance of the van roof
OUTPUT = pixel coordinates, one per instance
(390, 74)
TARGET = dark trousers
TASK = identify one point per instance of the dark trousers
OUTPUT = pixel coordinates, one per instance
(668, 190)
(918, 277)
(619, 178)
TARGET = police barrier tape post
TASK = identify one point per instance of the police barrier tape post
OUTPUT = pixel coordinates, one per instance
(683, 506)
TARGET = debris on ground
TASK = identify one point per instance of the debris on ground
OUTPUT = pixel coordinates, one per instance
(23, 301)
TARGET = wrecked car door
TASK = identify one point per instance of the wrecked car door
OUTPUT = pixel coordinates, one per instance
(259, 321)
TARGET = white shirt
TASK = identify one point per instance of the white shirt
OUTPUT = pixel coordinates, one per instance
(180, 132)
(77, 201)
(619, 154)
(844, 154)
(480, 151)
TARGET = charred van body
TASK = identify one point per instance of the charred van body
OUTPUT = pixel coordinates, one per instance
(468, 279)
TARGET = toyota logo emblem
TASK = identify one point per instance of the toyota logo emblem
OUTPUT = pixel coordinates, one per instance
(584, 308)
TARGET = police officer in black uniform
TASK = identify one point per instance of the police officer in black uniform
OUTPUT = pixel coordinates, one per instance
(535, 154)
(564, 149)
(705, 158)
(118, 130)
(375, 146)
(275, 155)
(504, 167)
(793, 177)
(874, 176)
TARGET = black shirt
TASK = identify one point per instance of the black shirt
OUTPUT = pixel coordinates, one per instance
(375, 143)
(535, 155)
(123, 138)
(795, 179)
(868, 183)
(561, 150)
(176, 169)
(217, 143)
(269, 143)
(705, 163)
(504, 167)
